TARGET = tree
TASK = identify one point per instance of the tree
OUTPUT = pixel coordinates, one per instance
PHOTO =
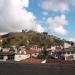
(6, 44)
(43, 54)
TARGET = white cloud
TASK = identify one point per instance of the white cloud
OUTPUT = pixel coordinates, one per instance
(57, 5)
(39, 29)
(57, 20)
(2, 33)
(57, 24)
(15, 17)
(72, 39)
(60, 30)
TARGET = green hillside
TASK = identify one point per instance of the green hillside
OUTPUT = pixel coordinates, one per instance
(30, 38)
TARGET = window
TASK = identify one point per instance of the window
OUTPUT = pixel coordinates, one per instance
(1, 57)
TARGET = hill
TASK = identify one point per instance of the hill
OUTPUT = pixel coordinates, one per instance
(30, 38)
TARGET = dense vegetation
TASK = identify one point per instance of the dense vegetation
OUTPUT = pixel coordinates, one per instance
(30, 38)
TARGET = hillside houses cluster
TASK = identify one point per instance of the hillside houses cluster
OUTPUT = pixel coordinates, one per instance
(66, 52)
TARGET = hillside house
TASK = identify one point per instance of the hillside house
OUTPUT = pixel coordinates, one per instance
(70, 53)
(34, 47)
(67, 45)
(24, 54)
(7, 54)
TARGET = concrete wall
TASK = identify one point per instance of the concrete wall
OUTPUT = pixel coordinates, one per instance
(19, 57)
(69, 56)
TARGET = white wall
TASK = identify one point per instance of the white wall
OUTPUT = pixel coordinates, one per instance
(69, 56)
(66, 45)
(19, 57)
(53, 48)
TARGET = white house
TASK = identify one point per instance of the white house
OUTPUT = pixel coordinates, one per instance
(67, 45)
(69, 56)
(70, 53)
(53, 48)
(24, 54)
(19, 57)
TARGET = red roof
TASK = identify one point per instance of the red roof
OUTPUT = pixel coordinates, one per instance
(59, 62)
(30, 51)
(31, 60)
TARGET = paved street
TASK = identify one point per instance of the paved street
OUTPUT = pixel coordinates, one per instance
(39, 69)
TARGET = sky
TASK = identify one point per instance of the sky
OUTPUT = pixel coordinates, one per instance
(57, 17)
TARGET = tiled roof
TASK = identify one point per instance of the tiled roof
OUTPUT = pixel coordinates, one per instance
(31, 60)
(59, 62)
(30, 51)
